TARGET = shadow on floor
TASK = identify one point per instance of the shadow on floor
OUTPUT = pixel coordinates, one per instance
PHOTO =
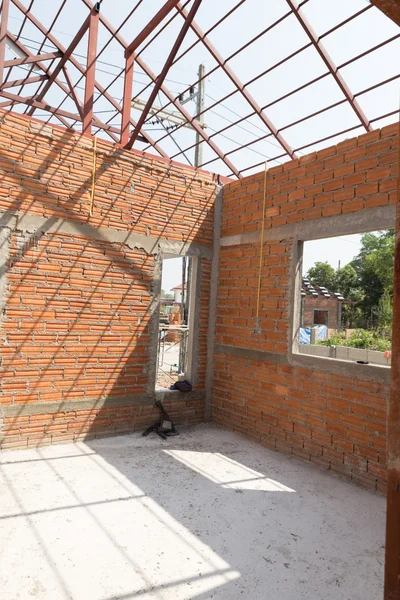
(207, 514)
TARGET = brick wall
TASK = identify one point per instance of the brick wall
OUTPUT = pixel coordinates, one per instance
(75, 327)
(328, 418)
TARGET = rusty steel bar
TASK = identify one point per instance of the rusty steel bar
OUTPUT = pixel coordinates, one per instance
(165, 91)
(329, 63)
(151, 25)
(65, 57)
(73, 92)
(392, 553)
(31, 101)
(160, 79)
(90, 70)
(76, 64)
(25, 81)
(127, 98)
(5, 9)
(236, 81)
(15, 62)
(60, 84)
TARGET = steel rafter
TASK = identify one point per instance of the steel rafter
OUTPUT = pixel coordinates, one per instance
(129, 66)
(236, 81)
(160, 79)
(165, 91)
(90, 70)
(322, 51)
(77, 64)
(59, 58)
(5, 9)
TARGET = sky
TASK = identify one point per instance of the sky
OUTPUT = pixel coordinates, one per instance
(332, 250)
(368, 30)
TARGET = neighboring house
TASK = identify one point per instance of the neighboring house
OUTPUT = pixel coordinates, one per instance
(320, 306)
(177, 291)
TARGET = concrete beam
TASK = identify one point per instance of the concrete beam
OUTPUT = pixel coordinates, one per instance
(373, 219)
(212, 312)
(37, 225)
(41, 408)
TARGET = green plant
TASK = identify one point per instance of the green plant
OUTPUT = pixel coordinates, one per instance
(361, 338)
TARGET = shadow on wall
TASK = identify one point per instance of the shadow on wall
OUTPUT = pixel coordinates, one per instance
(77, 315)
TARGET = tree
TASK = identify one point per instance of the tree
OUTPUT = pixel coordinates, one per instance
(323, 274)
(374, 266)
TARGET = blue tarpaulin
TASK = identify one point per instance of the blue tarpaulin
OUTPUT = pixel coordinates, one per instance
(305, 334)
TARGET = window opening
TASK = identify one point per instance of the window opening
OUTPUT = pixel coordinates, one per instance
(346, 298)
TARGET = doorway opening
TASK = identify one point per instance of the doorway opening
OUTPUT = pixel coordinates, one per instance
(176, 324)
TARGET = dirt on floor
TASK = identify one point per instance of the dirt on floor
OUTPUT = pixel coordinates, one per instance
(204, 515)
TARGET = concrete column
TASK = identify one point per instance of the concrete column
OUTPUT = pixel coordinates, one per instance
(212, 313)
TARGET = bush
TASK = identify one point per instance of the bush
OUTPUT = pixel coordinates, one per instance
(361, 338)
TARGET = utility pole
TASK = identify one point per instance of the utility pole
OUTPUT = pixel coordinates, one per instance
(198, 154)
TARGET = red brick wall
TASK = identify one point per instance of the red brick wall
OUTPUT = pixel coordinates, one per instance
(330, 419)
(75, 324)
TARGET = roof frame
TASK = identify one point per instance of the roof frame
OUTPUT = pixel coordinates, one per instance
(128, 132)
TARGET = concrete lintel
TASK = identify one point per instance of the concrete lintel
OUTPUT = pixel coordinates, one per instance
(36, 224)
(41, 408)
(260, 355)
(372, 219)
(379, 373)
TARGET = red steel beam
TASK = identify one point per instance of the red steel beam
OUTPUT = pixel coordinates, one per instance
(110, 130)
(392, 554)
(80, 68)
(129, 67)
(25, 81)
(5, 9)
(165, 91)
(65, 57)
(91, 70)
(237, 83)
(329, 63)
(31, 101)
(160, 79)
(73, 92)
(151, 25)
(15, 62)
(127, 98)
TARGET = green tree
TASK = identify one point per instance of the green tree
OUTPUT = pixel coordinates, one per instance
(374, 266)
(323, 274)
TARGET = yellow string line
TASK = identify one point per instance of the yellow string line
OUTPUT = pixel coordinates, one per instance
(93, 176)
(262, 240)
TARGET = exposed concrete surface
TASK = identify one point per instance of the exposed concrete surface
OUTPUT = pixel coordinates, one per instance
(40, 408)
(38, 225)
(372, 219)
(207, 514)
(212, 311)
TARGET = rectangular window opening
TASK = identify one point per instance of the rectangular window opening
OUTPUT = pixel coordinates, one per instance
(175, 358)
(344, 298)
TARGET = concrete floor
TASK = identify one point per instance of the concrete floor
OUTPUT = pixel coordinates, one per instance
(204, 515)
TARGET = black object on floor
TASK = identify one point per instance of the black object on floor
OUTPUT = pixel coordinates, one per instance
(163, 427)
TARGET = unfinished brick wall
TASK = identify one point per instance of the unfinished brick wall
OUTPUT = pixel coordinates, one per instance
(334, 420)
(77, 297)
